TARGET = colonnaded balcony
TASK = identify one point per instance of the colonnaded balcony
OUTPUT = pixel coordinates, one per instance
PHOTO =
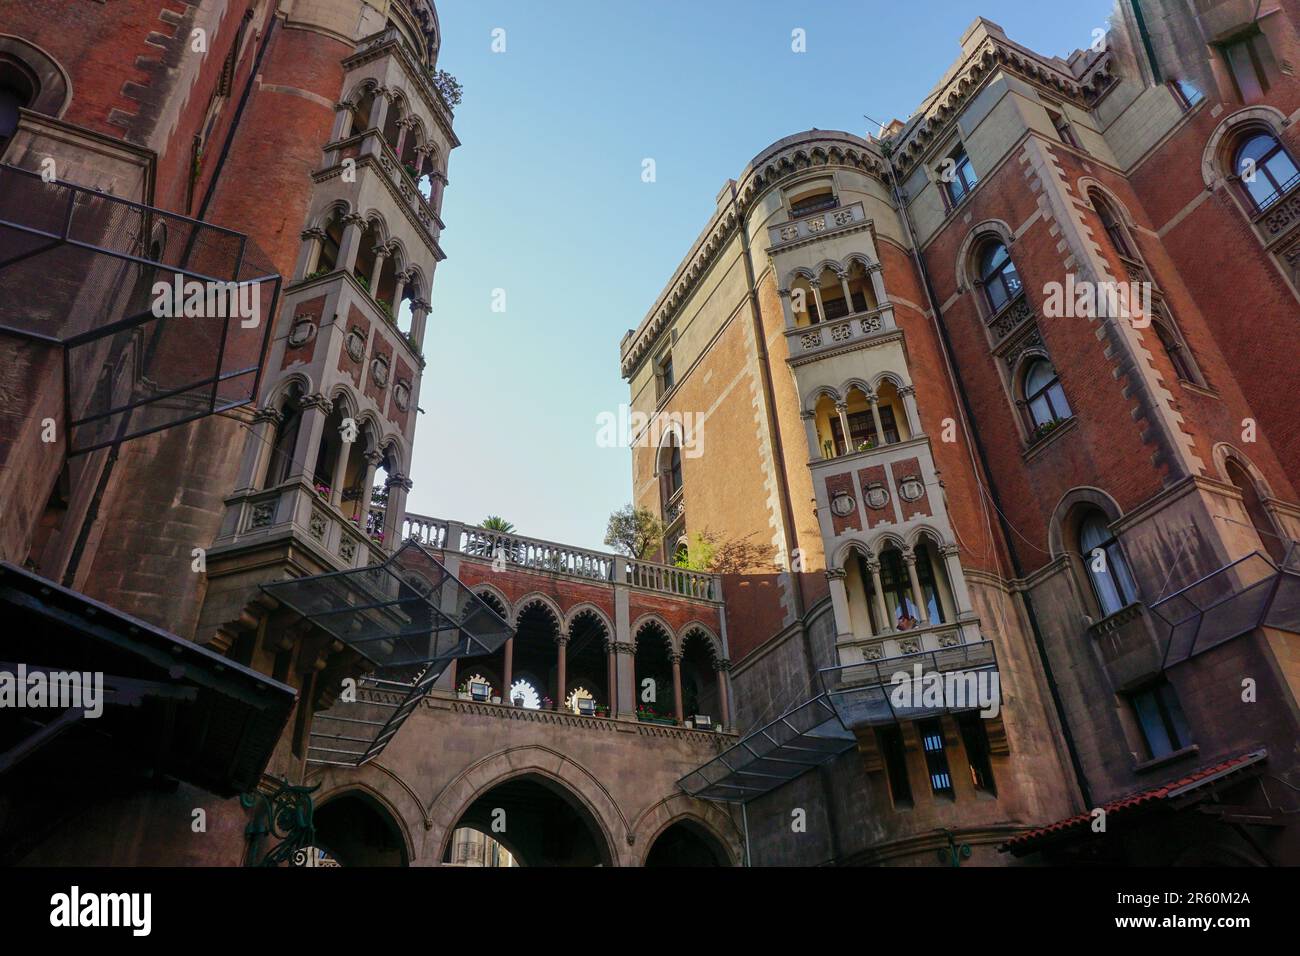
(597, 635)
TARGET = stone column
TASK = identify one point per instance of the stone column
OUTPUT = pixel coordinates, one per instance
(676, 660)
(724, 695)
(786, 308)
(874, 399)
(848, 296)
(956, 580)
(918, 596)
(508, 669)
(840, 601)
(373, 460)
(378, 116)
(561, 669)
(810, 429)
(817, 299)
(381, 253)
(354, 227)
(315, 410)
(611, 678)
(313, 238)
(257, 448)
(344, 116)
(842, 409)
(419, 316)
(624, 648)
(908, 394)
(398, 487)
(403, 131)
(340, 471)
(878, 595)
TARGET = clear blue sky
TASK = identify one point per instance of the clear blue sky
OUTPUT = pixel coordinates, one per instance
(546, 201)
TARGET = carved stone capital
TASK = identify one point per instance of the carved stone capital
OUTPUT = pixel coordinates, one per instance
(722, 664)
(267, 414)
(398, 481)
(314, 232)
(354, 219)
(675, 659)
(836, 574)
(319, 401)
(623, 647)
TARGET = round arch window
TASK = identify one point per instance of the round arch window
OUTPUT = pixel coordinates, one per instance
(998, 275)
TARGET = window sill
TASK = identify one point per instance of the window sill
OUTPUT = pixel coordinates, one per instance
(1203, 390)
(1036, 445)
(1155, 763)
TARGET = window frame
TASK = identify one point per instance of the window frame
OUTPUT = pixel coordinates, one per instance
(979, 753)
(961, 166)
(1062, 125)
(934, 747)
(1123, 584)
(1262, 166)
(1247, 40)
(1044, 393)
(984, 255)
(1168, 710)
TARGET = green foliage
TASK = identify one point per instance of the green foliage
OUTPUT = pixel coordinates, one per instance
(498, 524)
(634, 532)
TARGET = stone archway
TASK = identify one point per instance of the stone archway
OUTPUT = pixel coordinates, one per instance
(515, 775)
(356, 829)
(697, 824)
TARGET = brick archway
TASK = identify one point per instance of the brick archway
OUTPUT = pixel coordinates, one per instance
(577, 783)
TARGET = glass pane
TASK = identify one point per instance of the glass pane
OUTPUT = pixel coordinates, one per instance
(1038, 377)
(1040, 411)
(1059, 404)
(1153, 725)
(1282, 169)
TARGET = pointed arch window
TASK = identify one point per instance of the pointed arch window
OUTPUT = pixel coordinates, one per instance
(998, 275)
(1114, 226)
(1259, 517)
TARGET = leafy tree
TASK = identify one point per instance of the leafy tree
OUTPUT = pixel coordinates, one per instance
(635, 532)
(497, 523)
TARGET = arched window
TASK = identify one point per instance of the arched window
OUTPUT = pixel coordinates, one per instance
(1267, 171)
(1173, 347)
(1044, 397)
(18, 89)
(1259, 517)
(1107, 570)
(286, 438)
(1114, 226)
(998, 275)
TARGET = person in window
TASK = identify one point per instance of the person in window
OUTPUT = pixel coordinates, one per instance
(905, 620)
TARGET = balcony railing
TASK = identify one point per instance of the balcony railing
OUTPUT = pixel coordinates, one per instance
(1130, 648)
(855, 327)
(536, 554)
(818, 224)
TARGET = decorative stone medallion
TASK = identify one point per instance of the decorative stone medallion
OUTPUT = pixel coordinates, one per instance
(877, 496)
(355, 344)
(911, 488)
(347, 549)
(379, 371)
(303, 331)
(402, 395)
(843, 505)
(317, 525)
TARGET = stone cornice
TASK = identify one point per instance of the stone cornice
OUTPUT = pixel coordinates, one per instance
(788, 157)
(932, 121)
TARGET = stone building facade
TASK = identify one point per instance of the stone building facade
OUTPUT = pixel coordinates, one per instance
(969, 432)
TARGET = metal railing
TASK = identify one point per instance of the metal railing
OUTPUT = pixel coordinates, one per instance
(162, 319)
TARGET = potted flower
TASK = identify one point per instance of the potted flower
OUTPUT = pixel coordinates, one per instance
(462, 690)
(322, 489)
(866, 445)
(548, 704)
(1043, 429)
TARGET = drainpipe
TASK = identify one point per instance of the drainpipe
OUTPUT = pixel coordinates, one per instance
(973, 436)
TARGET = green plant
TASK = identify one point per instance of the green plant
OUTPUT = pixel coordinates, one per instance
(448, 87)
(634, 532)
(496, 523)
